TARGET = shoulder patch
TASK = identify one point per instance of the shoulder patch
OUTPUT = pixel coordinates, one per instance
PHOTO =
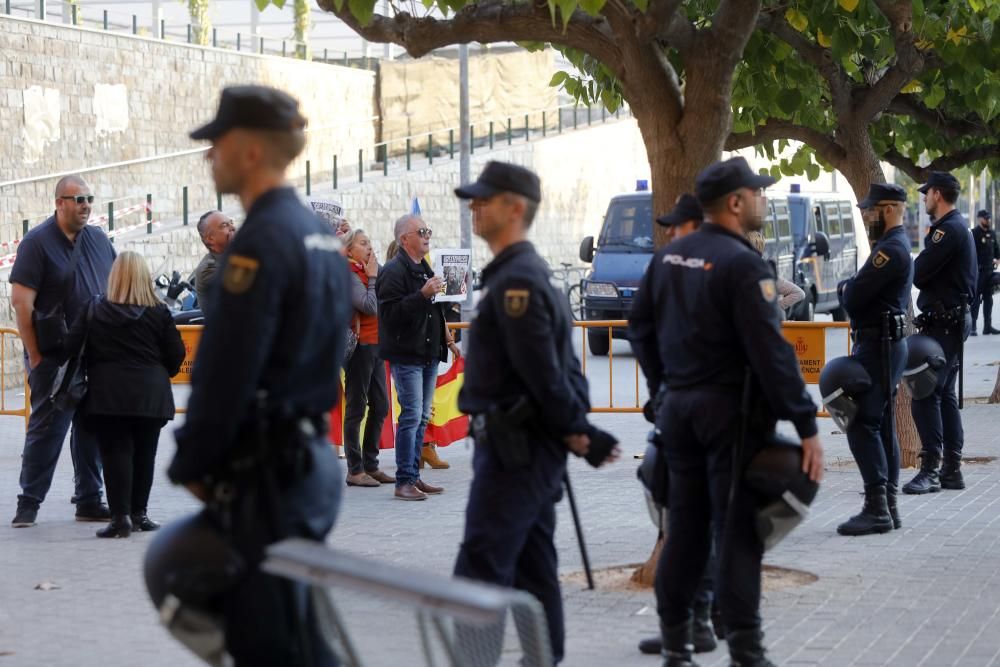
(768, 289)
(937, 236)
(515, 302)
(880, 259)
(239, 274)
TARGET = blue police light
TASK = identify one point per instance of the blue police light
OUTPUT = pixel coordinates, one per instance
(796, 188)
(641, 185)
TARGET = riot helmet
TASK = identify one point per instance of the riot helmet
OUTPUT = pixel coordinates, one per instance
(653, 476)
(842, 380)
(775, 474)
(924, 359)
(188, 566)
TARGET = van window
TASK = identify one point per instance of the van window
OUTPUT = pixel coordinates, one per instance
(782, 223)
(847, 217)
(768, 229)
(628, 224)
(832, 220)
(818, 216)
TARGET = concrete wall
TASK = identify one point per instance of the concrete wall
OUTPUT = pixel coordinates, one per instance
(73, 98)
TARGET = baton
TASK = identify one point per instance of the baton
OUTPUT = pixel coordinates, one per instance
(579, 531)
(961, 366)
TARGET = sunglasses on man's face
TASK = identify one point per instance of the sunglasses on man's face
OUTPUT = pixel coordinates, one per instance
(79, 199)
(424, 232)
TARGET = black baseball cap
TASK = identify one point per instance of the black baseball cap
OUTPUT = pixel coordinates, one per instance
(254, 108)
(882, 192)
(500, 177)
(721, 178)
(942, 180)
(984, 214)
(686, 208)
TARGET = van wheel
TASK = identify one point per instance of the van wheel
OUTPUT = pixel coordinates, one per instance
(839, 314)
(598, 342)
(806, 311)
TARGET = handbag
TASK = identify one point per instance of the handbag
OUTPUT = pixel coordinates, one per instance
(352, 338)
(70, 385)
(50, 327)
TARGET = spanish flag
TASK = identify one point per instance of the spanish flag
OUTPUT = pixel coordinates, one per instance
(447, 424)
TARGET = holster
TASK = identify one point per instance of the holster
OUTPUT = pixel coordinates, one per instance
(507, 433)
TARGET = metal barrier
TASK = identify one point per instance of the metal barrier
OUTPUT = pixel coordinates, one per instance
(25, 410)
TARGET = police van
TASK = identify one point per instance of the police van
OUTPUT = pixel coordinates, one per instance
(810, 240)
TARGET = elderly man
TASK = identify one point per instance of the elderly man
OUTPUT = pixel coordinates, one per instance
(413, 338)
(216, 230)
(61, 265)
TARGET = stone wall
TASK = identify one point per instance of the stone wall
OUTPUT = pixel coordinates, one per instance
(73, 98)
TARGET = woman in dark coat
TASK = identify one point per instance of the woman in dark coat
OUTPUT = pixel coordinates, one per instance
(132, 349)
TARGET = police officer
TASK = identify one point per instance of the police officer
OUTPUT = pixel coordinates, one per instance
(527, 398)
(987, 254)
(876, 300)
(268, 369)
(685, 218)
(945, 274)
(723, 328)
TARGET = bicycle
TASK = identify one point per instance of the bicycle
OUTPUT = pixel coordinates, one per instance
(571, 279)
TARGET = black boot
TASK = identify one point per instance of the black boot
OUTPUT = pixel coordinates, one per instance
(874, 516)
(677, 646)
(142, 523)
(120, 526)
(717, 622)
(988, 329)
(951, 472)
(890, 501)
(925, 481)
(651, 645)
(746, 649)
(703, 635)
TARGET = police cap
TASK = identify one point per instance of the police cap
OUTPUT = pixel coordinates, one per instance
(882, 192)
(253, 108)
(686, 208)
(984, 214)
(721, 178)
(500, 177)
(941, 180)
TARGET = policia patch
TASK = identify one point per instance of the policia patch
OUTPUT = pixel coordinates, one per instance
(768, 290)
(880, 259)
(239, 274)
(515, 302)
(938, 235)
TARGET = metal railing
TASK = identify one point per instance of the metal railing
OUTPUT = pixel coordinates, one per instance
(25, 410)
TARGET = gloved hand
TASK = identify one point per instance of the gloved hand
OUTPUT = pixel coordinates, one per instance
(603, 447)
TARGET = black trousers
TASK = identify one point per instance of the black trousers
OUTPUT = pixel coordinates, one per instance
(872, 435)
(510, 524)
(128, 450)
(984, 295)
(699, 428)
(364, 388)
(937, 417)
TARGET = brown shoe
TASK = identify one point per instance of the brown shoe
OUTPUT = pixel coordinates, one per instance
(429, 455)
(361, 479)
(381, 477)
(409, 492)
(428, 489)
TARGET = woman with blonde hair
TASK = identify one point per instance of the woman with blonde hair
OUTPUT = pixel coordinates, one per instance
(131, 349)
(789, 293)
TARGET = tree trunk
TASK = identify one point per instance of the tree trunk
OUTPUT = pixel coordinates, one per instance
(645, 575)
(995, 396)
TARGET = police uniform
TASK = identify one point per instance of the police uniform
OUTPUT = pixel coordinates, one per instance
(945, 274)
(876, 297)
(266, 374)
(525, 391)
(987, 252)
(723, 321)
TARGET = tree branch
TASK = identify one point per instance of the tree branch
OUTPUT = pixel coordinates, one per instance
(775, 129)
(942, 163)
(951, 128)
(487, 21)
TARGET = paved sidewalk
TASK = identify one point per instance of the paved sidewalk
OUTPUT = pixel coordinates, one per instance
(925, 595)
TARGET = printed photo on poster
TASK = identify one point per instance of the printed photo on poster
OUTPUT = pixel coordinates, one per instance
(330, 210)
(454, 267)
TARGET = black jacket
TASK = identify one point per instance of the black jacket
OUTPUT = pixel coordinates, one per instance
(131, 354)
(411, 328)
(945, 271)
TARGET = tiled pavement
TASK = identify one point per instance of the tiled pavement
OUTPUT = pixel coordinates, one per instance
(928, 594)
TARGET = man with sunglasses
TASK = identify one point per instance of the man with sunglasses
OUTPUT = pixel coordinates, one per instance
(216, 230)
(413, 338)
(61, 265)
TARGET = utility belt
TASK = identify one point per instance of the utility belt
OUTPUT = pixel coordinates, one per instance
(896, 332)
(939, 317)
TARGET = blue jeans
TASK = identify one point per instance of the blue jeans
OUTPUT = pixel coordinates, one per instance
(43, 443)
(415, 390)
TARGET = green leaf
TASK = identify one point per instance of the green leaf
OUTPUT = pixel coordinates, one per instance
(789, 100)
(363, 10)
(977, 5)
(592, 7)
(558, 79)
(642, 5)
(532, 47)
(262, 4)
(813, 171)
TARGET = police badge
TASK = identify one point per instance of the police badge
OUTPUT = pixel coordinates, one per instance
(768, 289)
(880, 259)
(239, 274)
(515, 302)
(937, 236)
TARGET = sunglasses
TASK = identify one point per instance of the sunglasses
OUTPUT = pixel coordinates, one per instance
(79, 199)
(423, 232)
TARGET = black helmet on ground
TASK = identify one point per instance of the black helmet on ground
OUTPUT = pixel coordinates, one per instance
(841, 381)
(775, 474)
(924, 359)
